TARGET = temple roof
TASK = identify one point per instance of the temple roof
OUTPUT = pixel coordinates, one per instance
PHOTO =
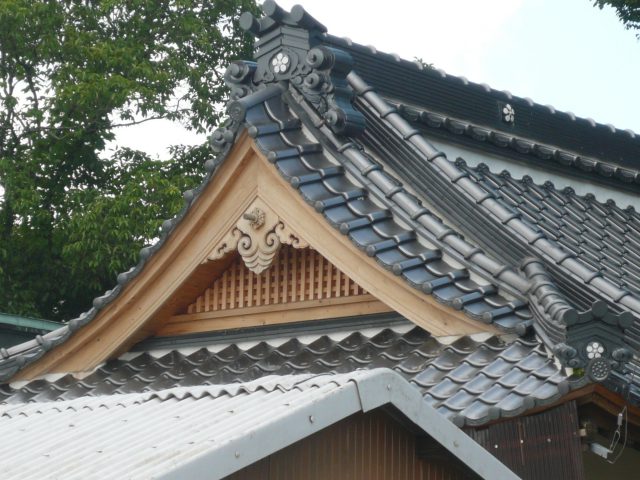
(345, 126)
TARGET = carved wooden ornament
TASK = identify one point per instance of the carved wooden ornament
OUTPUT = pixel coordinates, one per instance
(257, 236)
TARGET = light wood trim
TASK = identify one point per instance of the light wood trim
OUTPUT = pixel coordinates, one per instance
(241, 298)
(273, 314)
(150, 300)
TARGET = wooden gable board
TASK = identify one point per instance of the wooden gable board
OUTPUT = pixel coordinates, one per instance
(179, 271)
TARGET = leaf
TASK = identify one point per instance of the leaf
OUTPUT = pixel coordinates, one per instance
(71, 216)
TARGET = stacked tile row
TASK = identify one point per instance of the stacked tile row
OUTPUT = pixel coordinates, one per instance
(324, 183)
(469, 381)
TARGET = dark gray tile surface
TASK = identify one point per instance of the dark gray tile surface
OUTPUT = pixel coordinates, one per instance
(603, 235)
(597, 149)
(372, 228)
(469, 381)
(542, 153)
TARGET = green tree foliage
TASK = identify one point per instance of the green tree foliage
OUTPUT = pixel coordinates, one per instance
(70, 72)
(628, 11)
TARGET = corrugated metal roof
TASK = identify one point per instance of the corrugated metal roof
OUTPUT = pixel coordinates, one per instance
(142, 435)
(28, 322)
(185, 431)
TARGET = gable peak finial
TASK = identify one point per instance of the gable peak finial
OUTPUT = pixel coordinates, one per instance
(257, 236)
(290, 52)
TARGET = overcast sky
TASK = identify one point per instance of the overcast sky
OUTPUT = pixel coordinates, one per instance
(565, 53)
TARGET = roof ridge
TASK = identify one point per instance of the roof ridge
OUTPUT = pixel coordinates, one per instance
(517, 143)
(505, 93)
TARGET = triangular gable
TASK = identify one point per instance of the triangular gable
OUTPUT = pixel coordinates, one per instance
(298, 284)
(184, 266)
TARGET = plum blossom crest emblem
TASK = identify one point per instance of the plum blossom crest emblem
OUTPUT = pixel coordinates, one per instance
(280, 62)
(508, 113)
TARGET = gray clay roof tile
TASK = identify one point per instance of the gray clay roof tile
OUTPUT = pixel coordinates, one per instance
(442, 372)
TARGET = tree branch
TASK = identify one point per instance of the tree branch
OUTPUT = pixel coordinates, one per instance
(138, 122)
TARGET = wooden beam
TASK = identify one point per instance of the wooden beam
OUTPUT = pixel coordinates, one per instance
(272, 315)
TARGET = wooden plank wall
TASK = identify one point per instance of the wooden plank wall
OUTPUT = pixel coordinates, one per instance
(546, 445)
(295, 276)
(369, 446)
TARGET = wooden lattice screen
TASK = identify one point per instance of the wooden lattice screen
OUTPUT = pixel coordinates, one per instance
(296, 275)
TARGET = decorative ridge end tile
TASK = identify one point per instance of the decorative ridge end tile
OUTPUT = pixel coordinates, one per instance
(592, 340)
(295, 54)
